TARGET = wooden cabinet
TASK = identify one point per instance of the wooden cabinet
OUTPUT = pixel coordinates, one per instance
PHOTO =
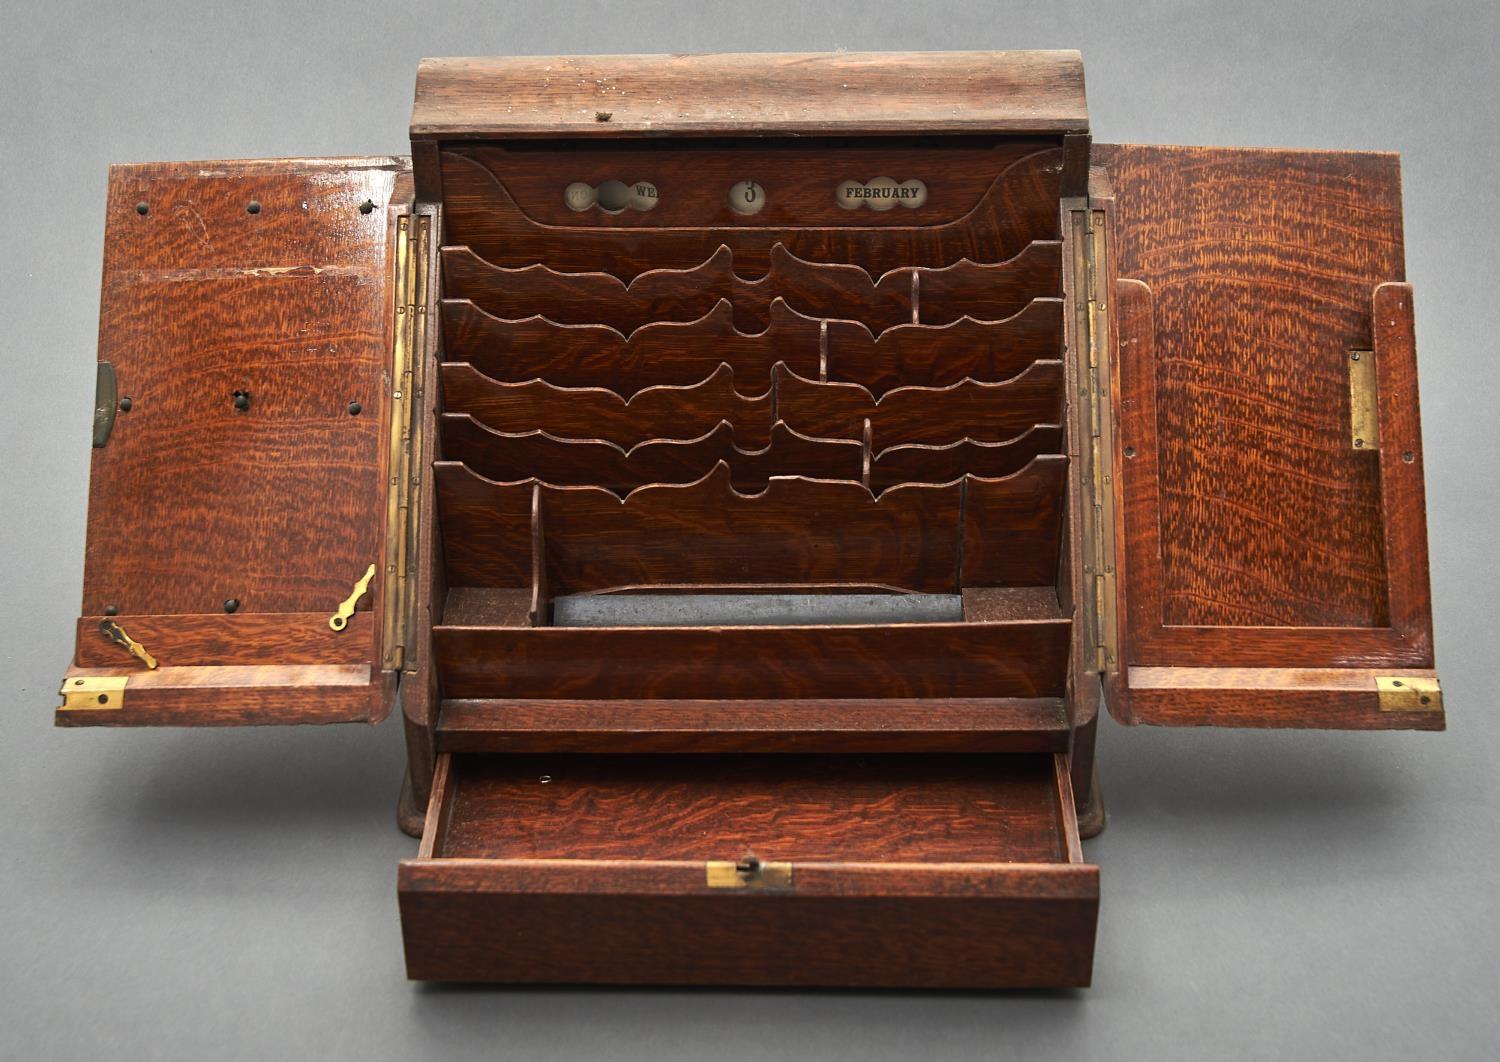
(752, 470)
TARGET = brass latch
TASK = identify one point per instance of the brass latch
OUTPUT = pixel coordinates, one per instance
(94, 693)
(340, 619)
(748, 873)
(1409, 694)
(115, 633)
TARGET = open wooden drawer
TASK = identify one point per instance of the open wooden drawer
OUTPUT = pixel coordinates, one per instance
(946, 871)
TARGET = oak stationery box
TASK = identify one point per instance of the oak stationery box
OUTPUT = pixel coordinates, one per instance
(753, 468)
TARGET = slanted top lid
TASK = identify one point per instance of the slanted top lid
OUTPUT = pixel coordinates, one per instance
(789, 94)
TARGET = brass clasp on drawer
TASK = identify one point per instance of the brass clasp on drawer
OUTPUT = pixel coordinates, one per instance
(748, 873)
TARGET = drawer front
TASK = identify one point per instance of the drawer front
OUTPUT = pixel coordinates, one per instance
(901, 871)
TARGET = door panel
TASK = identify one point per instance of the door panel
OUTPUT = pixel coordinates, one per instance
(239, 495)
(1260, 532)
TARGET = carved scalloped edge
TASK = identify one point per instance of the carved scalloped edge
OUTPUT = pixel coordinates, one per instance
(722, 259)
(717, 481)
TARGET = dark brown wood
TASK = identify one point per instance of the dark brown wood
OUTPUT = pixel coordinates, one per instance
(1235, 336)
(800, 178)
(932, 848)
(664, 352)
(263, 277)
(578, 463)
(926, 463)
(1017, 659)
(991, 724)
(984, 292)
(939, 356)
(1019, 206)
(984, 412)
(1013, 526)
(705, 533)
(659, 412)
(812, 94)
(243, 638)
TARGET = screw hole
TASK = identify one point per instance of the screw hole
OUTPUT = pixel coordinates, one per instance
(603, 116)
(1130, 451)
(253, 207)
(1408, 456)
(78, 682)
(1354, 356)
(143, 208)
(103, 698)
(1396, 682)
(242, 400)
(1359, 444)
(368, 206)
(544, 779)
(1426, 700)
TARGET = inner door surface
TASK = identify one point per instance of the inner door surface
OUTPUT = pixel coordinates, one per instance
(1272, 536)
(236, 495)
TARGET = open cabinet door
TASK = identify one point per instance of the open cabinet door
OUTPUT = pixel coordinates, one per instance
(237, 500)
(1271, 533)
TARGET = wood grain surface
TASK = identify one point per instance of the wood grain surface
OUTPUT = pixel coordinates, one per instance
(1012, 659)
(845, 726)
(952, 809)
(985, 412)
(930, 850)
(1235, 340)
(1019, 206)
(939, 296)
(811, 94)
(265, 277)
(666, 411)
(800, 177)
(580, 463)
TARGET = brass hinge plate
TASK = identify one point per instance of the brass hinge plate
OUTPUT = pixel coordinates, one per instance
(1406, 694)
(1364, 410)
(747, 874)
(405, 455)
(93, 693)
(1095, 420)
(106, 401)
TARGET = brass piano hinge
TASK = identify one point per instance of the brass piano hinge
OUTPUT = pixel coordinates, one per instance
(1096, 423)
(748, 873)
(115, 633)
(405, 456)
(340, 619)
(1407, 694)
(93, 693)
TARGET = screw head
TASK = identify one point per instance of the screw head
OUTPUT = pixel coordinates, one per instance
(125, 404)
(242, 400)
(232, 604)
(355, 409)
(143, 208)
(253, 207)
(111, 610)
(368, 206)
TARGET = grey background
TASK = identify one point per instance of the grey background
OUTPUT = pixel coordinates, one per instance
(231, 894)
